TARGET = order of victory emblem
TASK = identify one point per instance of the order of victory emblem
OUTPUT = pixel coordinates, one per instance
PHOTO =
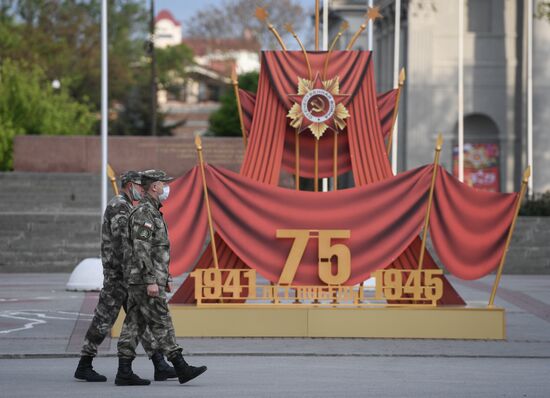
(318, 106)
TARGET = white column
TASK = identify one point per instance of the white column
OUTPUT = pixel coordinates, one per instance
(104, 105)
(370, 28)
(530, 94)
(325, 181)
(325, 25)
(396, 53)
(461, 90)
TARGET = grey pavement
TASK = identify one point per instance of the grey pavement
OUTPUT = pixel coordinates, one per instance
(42, 326)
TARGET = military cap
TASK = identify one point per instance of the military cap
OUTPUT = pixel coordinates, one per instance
(156, 175)
(130, 176)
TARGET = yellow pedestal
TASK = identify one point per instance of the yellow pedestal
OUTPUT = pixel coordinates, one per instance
(376, 322)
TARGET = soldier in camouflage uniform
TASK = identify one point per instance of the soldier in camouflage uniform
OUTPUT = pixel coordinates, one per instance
(115, 250)
(149, 280)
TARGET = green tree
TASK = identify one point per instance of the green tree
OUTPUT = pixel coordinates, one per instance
(30, 105)
(172, 63)
(63, 37)
(225, 121)
(135, 116)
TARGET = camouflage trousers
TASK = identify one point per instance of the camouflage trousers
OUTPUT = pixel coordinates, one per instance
(151, 312)
(112, 297)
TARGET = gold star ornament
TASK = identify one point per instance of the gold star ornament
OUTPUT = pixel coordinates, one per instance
(373, 13)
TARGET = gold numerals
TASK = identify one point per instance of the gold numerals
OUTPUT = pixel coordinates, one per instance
(212, 283)
(327, 252)
(418, 285)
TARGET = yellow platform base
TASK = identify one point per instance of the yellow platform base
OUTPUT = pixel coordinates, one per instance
(377, 322)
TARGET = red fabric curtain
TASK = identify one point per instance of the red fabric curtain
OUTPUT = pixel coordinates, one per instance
(386, 106)
(283, 69)
(248, 102)
(247, 214)
(186, 220)
(469, 226)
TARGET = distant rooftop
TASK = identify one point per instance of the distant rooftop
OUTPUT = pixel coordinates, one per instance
(165, 14)
(202, 46)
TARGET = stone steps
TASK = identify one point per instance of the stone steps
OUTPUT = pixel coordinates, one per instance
(49, 222)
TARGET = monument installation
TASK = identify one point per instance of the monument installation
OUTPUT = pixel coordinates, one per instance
(285, 262)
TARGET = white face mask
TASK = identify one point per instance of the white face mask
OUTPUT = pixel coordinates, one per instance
(165, 192)
(135, 193)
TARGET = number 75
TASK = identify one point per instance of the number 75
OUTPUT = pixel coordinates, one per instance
(326, 253)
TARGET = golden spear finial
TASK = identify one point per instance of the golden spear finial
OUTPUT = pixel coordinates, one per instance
(343, 28)
(402, 77)
(198, 142)
(112, 177)
(290, 30)
(372, 14)
(439, 142)
(526, 174)
(261, 15)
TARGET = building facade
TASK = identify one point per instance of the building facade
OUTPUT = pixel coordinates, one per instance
(167, 30)
(495, 119)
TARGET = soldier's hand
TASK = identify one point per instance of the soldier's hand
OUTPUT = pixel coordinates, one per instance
(153, 290)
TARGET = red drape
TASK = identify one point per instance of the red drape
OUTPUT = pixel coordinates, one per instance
(386, 106)
(186, 220)
(248, 102)
(469, 227)
(247, 215)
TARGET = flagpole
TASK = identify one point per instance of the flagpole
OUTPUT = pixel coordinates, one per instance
(316, 25)
(297, 158)
(396, 53)
(530, 94)
(370, 4)
(104, 105)
(325, 48)
(438, 145)
(524, 182)
(198, 145)
(461, 90)
(396, 109)
(235, 83)
(325, 25)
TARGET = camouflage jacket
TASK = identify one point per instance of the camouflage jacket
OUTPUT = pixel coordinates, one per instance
(115, 246)
(150, 244)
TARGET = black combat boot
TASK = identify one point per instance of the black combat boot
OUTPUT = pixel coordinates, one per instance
(163, 371)
(185, 371)
(85, 371)
(125, 376)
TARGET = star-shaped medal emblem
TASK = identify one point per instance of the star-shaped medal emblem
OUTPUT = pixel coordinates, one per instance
(318, 106)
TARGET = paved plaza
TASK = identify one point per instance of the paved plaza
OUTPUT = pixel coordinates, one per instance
(42, 327)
